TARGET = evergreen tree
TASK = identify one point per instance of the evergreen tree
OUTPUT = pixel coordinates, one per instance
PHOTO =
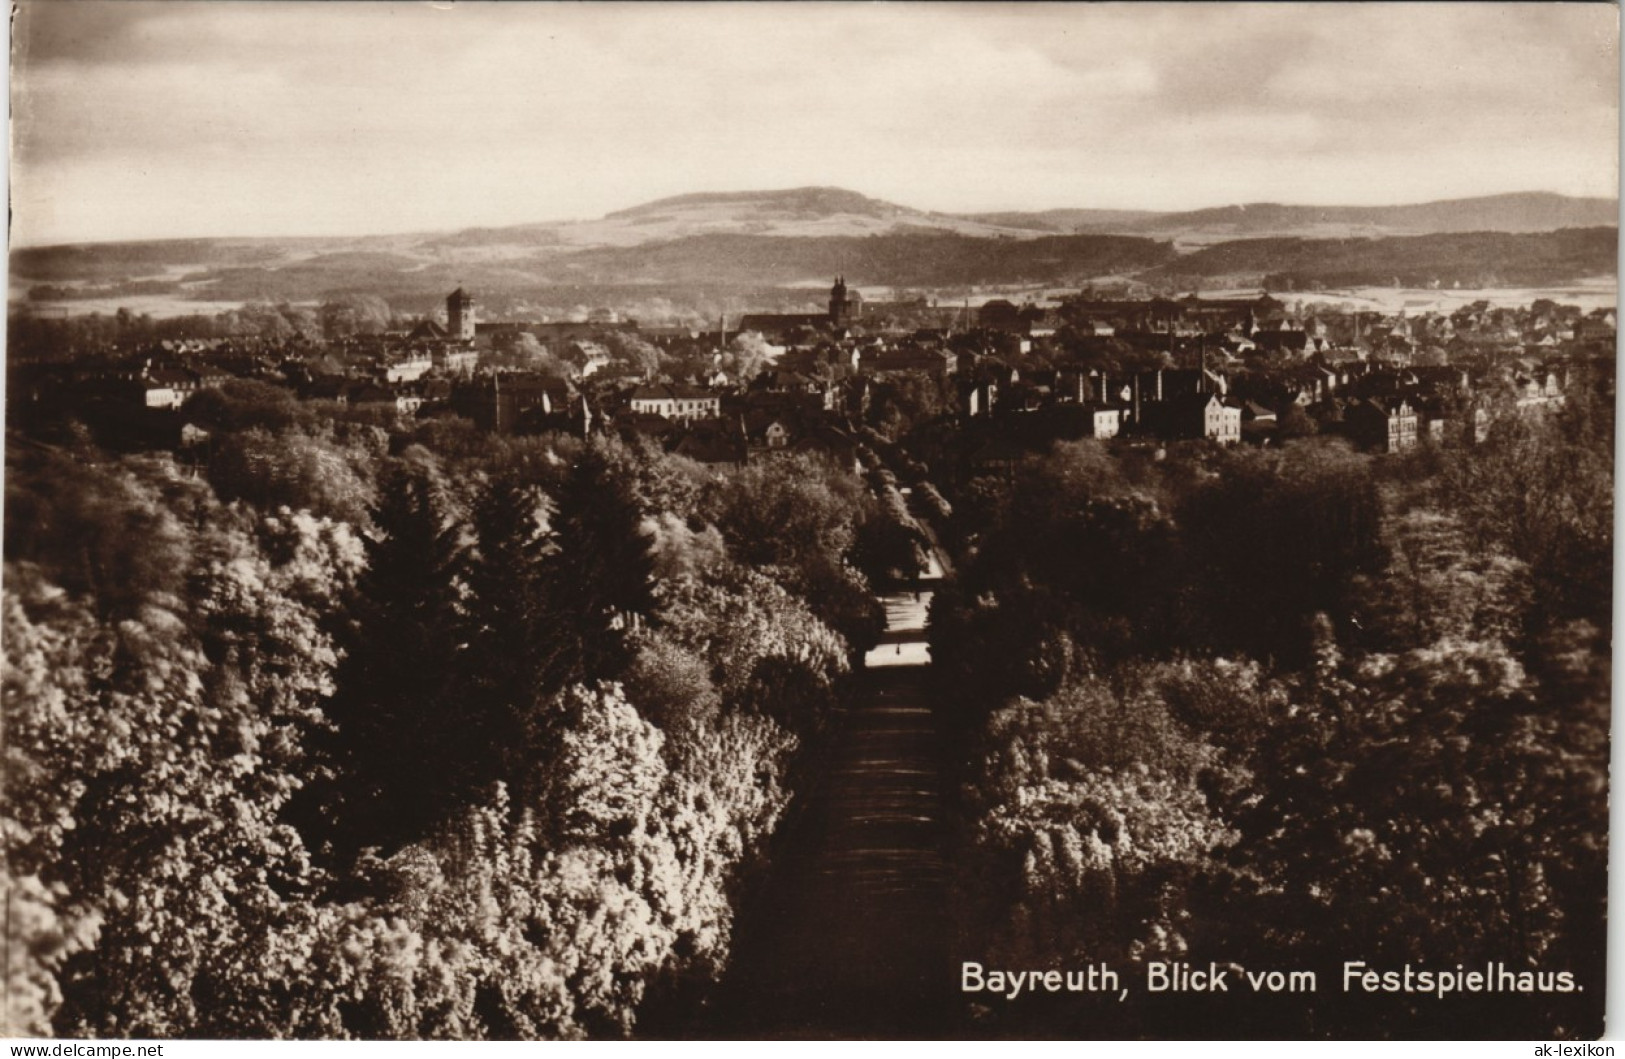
(405, 748)
(601, 575)
(516, 644)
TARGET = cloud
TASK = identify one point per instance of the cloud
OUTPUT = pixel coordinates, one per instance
(100, 32)
(191, 118)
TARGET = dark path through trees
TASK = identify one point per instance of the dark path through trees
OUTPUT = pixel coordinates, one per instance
(850, 938)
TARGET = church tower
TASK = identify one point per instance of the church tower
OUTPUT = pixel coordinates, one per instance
(844, 306)
(837, 301)
(459, 316)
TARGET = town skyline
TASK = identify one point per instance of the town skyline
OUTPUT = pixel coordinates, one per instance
(374, 119)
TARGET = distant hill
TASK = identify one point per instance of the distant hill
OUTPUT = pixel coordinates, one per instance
(808, 201)
(1068, 221)
(758, 239)
(1523, 212)
(904, 259)
(819, 212)
(119, 261)
(809, 211)
(917, 258)
(1472, 259)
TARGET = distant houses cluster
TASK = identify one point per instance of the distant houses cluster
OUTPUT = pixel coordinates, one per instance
(1224, 371)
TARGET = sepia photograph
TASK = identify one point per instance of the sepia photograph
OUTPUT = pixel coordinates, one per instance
(808, 521)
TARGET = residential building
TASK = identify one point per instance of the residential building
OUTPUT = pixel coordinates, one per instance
(684, 403)
(1382, 424)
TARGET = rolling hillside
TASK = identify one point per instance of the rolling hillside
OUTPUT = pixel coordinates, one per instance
(1522, 212)
(755, 240)
(1525, 212)
(1471, 259)
(1069, 221)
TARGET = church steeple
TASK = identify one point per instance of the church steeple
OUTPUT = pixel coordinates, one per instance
(837, 301)
(845, 305)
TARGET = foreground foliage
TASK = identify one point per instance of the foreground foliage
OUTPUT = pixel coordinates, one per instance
(1170, 751)
(494, 757)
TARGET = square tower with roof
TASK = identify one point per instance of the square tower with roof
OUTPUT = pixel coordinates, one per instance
(460, 316)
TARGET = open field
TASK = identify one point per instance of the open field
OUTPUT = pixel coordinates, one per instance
(1602, 292)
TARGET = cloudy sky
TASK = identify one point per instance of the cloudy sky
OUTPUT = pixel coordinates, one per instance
(200, 117)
